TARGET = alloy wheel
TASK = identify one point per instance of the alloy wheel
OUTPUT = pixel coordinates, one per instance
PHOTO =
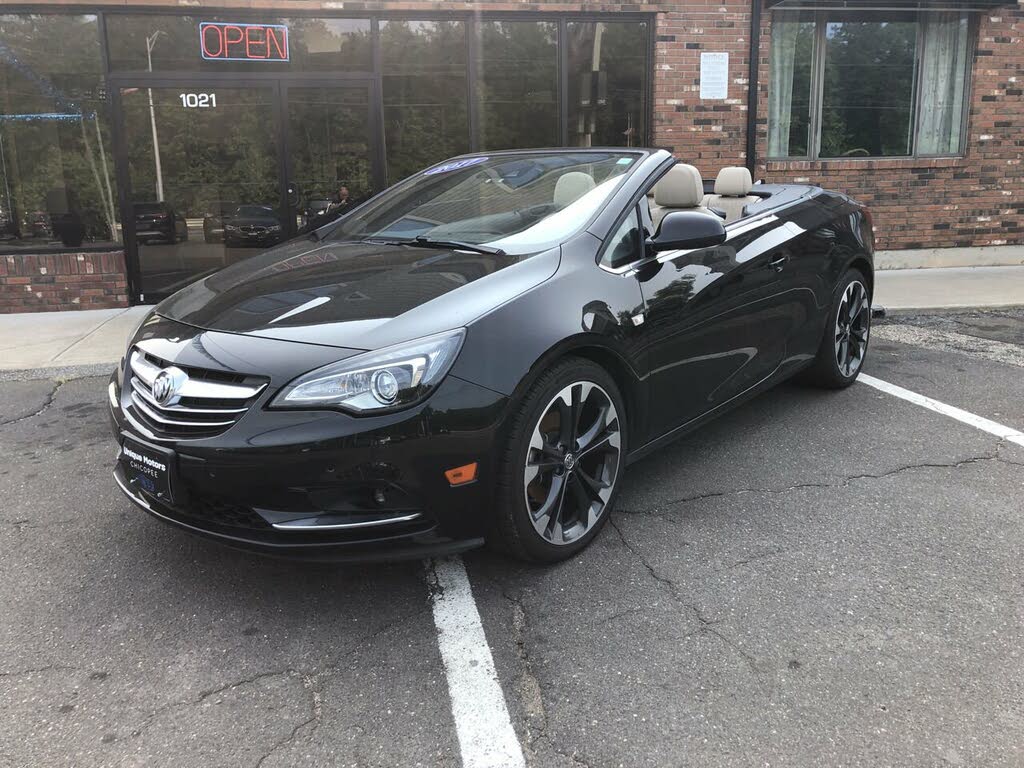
(572, 463)
(853, 322)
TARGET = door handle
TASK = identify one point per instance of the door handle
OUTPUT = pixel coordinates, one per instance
(778, 262)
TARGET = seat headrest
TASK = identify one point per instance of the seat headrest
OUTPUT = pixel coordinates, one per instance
(571, 186)
(733, 181)
(681, 187)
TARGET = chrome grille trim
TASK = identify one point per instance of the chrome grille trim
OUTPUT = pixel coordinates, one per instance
(142, 406)
(202, 406)
(144, 391)
(146, 371)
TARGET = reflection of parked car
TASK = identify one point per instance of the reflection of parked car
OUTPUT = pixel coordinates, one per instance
(159, 222)
(218, 212)
(253, 225)
(313, 213)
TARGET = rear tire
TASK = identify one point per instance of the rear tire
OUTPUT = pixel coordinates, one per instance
(563, 463)
(844, 343)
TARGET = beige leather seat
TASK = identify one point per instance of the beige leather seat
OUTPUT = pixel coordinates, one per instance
(571, 186)
(732, 192)
(681, 189)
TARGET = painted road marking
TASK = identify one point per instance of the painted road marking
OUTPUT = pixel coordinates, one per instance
(482, 722)
(978, 422)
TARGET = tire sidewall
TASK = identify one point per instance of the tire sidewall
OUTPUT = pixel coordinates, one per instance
(533, 407)
(851, 276)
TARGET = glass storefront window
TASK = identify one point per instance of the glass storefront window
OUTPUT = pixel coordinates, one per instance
(518, 92)
(868, 88)
(607, 83)
(891, 84)
(425, 93)
(56, 164)
(159, 43)
(789, 98)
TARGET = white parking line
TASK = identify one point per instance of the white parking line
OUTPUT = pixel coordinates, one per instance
(486, 736)
(978, 422)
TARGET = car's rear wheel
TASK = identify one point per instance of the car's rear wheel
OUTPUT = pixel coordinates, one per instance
(844, 344)
(564, 463)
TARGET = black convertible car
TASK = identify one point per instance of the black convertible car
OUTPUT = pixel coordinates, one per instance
(479, 352)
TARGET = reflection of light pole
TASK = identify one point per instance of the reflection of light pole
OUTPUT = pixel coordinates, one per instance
(7, 187)
(150, 42)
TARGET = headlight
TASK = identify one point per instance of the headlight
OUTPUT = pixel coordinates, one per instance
(230, 227)
(392, 377)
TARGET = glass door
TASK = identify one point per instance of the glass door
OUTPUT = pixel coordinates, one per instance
(330, 154)
(213, 171)
(203, 187)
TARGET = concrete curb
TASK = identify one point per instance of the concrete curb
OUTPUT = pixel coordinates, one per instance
(929, 258)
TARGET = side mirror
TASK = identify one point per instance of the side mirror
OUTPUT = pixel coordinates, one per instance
(686, 230)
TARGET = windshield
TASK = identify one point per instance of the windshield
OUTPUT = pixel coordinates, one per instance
(520, 203)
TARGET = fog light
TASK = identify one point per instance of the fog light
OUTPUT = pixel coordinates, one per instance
(461, 475)
(112, 394)
(385, 386)
(378, 496)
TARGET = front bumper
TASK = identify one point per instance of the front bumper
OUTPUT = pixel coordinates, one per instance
(326, 485)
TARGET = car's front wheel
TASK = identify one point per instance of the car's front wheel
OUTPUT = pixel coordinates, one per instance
(564, 463)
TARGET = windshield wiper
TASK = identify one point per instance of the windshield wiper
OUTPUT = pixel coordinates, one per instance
(426, 242)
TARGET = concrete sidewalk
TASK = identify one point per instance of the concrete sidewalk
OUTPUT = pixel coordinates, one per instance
(54, 340)
(63, 339)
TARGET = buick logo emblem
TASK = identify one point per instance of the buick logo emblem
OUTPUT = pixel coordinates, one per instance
(168, 384)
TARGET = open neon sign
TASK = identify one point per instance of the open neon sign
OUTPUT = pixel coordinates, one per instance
(224, 41)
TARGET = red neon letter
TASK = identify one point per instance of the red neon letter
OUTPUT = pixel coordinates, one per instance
(281, 45)
(252, 36)
(228, 41)
(220, 41)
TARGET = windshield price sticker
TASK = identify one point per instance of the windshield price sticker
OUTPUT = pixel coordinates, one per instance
(456, 165)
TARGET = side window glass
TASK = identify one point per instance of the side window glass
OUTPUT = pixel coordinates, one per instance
(624, 244)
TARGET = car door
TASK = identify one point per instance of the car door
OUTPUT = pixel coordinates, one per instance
(717, 320)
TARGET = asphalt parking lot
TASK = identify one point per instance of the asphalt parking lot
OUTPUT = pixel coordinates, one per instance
(818, 578)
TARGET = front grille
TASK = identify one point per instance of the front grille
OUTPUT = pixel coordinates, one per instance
(205, 402)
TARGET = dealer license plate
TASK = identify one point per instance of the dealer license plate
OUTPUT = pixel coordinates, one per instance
(147, 469)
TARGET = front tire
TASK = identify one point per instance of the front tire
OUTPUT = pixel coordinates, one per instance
(844, 344)
(563, 465)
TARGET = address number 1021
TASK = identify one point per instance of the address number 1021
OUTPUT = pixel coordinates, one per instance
(198, 100)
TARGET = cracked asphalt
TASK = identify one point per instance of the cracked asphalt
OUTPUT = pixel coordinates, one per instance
(817, 578)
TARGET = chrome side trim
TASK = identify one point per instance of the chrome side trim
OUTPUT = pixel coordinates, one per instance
(297, 525)
(141, 405)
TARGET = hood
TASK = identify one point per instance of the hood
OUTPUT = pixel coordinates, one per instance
(255, 220)
(355, 295)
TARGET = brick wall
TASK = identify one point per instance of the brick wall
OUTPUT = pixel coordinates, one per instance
(61, 281)
(712, 134)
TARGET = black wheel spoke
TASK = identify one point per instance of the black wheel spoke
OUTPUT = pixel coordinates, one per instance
(590, 486)
(851, 329)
